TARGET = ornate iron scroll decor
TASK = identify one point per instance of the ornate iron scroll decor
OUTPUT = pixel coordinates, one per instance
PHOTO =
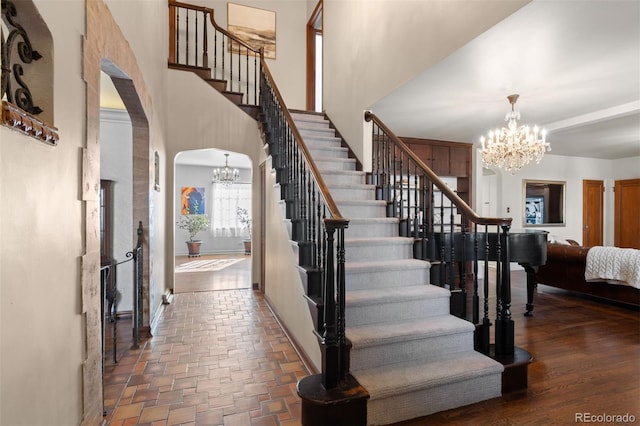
(18, 111)
(17, 41)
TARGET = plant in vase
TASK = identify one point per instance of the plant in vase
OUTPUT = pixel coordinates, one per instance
(245, 222)
(193, 224)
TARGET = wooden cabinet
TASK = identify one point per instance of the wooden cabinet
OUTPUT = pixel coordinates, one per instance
(460, 161)
(446, 159)
(440, 160)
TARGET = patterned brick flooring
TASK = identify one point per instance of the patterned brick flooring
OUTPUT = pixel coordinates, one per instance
(216, 358)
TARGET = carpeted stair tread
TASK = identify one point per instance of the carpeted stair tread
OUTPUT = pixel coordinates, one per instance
(362, 336)
(421, 374)
(351, 186)
(346, 172)
(355, 298)
(363, 202)
(372, 220)
(386, 265)
(377, 241)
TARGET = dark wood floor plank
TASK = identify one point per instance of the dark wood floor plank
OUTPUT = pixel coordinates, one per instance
(586, 360)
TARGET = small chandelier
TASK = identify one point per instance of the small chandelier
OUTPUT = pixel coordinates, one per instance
(225, 175)
(513, 147)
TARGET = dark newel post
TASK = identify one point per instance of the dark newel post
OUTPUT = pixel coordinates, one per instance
(482, 337)
(504, 324)
(340, 280)
(330, 348)
(334, 397)
(476, 299)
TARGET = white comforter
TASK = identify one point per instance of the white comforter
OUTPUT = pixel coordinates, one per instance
(613, 264)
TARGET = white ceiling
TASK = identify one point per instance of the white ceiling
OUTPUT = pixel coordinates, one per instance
(575, 65)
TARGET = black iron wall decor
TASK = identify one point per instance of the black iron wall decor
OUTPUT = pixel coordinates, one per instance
(18, 109)
(16, 42)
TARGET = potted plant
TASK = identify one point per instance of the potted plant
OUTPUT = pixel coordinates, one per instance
(193, 224)
(245, 221)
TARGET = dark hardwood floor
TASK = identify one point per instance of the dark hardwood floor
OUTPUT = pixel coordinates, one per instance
(586, 362)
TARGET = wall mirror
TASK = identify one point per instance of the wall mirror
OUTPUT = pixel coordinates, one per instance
(543, 202)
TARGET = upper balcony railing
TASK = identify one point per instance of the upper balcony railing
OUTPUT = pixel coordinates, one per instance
(197, 42)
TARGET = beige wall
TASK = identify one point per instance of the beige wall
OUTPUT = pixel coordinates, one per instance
(373, 47)
(284, 289)
(41, 244)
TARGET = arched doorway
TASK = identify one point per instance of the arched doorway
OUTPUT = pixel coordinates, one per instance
(105, 40)
(224, 258)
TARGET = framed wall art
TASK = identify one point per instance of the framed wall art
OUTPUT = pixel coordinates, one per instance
(192, 200)
(256, 27)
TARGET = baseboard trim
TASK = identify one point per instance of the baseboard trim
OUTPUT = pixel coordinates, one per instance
(304, 357)
(153, 323)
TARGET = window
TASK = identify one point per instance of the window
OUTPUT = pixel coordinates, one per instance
(225, 201)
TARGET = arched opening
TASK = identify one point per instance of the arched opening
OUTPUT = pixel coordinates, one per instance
(104, 39)
(223, 260)
(116, 229)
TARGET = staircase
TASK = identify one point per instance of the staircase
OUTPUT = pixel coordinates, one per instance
(410, 354)
(391, 350)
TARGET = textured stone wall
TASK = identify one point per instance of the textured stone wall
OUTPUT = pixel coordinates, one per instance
(104, 39)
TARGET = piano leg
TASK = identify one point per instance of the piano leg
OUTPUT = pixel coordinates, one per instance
(531, 286)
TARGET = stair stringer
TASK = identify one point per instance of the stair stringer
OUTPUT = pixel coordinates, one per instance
(236, 98)
(284, 287)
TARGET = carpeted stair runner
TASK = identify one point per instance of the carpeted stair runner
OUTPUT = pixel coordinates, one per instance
(411, 355)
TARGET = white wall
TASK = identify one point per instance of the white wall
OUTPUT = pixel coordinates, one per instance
(116, 164)
(373, 47)
(572, 170)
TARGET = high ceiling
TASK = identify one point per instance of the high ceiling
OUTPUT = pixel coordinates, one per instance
(575, 65)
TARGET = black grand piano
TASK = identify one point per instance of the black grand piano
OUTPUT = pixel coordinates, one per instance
(527, 247)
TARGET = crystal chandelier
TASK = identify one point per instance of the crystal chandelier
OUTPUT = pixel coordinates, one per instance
(225, 175)
(513, 147)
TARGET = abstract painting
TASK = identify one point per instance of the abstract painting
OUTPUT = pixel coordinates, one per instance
(192, 200)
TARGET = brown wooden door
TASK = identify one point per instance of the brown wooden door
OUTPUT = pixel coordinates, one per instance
(626, 228)
(592, 205)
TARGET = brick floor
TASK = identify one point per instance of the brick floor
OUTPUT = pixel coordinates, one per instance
(216, 358)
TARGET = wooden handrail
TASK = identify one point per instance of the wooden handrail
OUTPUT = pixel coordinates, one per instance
(459, 202)
(190, 6)
(322, 186)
